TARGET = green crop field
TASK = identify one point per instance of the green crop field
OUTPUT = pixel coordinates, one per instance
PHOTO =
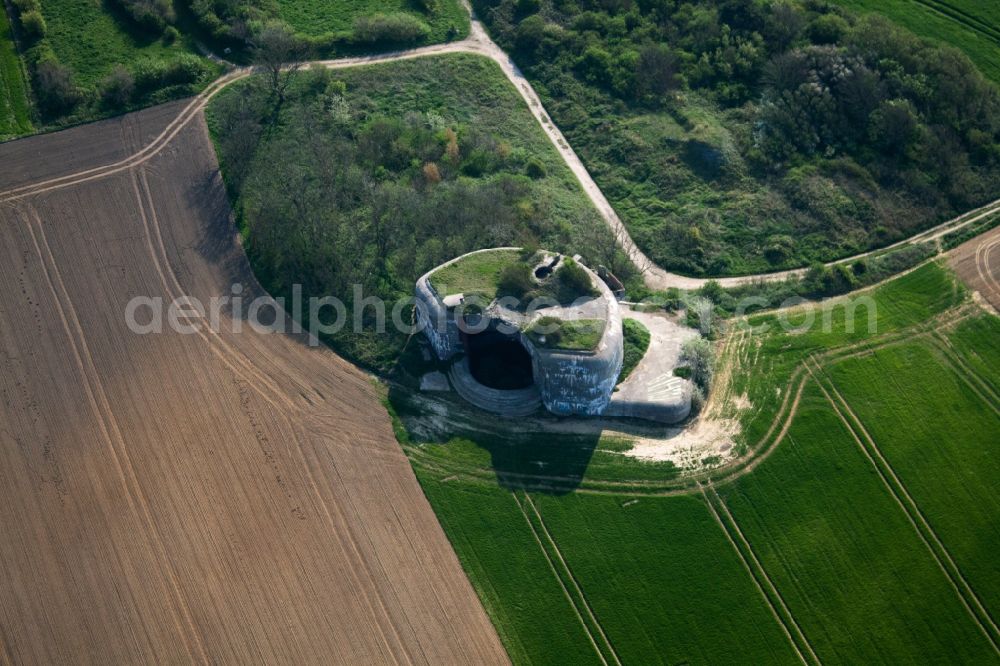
(317, 17)
(14, 111)
(972, 26)
(818, 540)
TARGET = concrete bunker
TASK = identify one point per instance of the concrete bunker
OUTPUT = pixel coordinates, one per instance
(527, 329)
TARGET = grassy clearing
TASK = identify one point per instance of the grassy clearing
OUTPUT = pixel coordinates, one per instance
(964, 24)
(947, 458)
(850, 566)
(92, 37)
(636, 342)
(318, 17)
(15, 115)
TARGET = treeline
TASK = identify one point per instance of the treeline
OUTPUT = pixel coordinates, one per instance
(58, 94)
(367, 199)
(738, 135)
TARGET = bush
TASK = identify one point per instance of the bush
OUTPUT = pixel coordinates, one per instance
(170, 35)
(515, 280)
(152, 74)
(33, 25)
(535, 169)
(117, 87)
(54, 84)
(574, 282)
(698, 355)
(395, 28)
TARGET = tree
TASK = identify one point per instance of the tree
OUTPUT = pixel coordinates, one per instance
(279, 52)
(894, 126)
(57, 91)
(33, 24)
(657, 71)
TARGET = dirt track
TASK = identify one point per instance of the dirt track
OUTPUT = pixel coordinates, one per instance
(209, 498)
(977, 262)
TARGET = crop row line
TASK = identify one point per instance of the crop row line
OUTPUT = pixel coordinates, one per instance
(910, 508)
(574, 594)
(762, 581)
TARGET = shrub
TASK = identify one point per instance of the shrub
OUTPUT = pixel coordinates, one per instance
(535, 169)
(33, 25)
(395, 28)
(698, 355)
(54, 84)
(428, 6)
(153, 15)
(117, 87)
(170, 35)
(515, 280)
(574, 282)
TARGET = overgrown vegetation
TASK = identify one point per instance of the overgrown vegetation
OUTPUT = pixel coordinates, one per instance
(571, 334)
(739, 136)
(88, 61)
(635, 342)
(385, 172)
(326, 28)
(15, 117)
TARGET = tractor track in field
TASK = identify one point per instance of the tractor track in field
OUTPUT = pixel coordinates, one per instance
(976, 383)
(104, 415)
(559, 579)
(789, 625)
(970, 600)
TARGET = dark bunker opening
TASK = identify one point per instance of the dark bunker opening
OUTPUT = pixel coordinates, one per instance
(498, 361)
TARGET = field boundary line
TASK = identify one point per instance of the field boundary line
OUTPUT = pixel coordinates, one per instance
(112, 432)
(759, 576)
(562, 584)
(572, 578)
(913, 513)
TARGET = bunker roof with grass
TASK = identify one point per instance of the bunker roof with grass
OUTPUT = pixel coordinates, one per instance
(550, 304)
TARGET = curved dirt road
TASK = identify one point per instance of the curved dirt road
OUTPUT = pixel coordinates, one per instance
(479, 42)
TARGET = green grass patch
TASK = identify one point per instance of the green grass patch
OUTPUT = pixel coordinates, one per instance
(478, 273)
(448, 20)
(636, 342)
(570, 335)
(15, 114)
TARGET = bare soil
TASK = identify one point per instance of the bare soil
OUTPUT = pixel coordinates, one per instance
(234, 498)
(977, 262)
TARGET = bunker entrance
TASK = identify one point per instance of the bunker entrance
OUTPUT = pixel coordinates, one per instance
(498, 361)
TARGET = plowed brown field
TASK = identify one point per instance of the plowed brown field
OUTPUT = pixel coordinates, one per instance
(977, 262)
(213, 497)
